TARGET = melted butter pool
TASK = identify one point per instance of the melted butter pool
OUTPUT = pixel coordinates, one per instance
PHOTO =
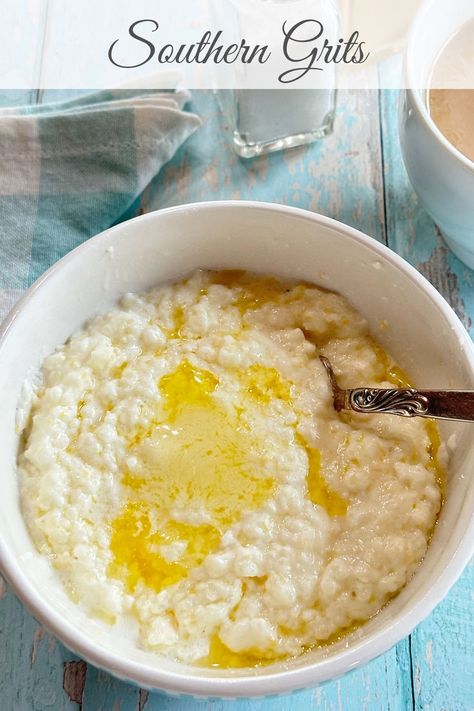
(198, 458)
(202, 459)
(197, 461)
(253, 292)
(318, 490)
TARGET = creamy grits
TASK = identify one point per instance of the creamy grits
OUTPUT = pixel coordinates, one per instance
(183, 468)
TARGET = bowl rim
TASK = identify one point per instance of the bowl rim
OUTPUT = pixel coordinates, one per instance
(266, 684)
(419, 23)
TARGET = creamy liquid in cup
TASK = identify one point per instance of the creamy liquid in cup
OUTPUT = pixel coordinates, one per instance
(452, 108)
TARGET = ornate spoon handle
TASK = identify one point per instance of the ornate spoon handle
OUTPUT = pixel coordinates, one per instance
(409, 402)
(406, 402)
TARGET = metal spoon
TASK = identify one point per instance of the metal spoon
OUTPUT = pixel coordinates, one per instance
(406, 402)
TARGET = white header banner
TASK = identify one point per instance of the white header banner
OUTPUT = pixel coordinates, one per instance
(241, 44)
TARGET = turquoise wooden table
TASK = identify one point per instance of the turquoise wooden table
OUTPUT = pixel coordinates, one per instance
(355, 175)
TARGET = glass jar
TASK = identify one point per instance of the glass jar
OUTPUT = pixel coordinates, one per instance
(264, 119)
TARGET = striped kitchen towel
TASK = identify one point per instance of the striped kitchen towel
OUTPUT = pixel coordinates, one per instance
(70, 170)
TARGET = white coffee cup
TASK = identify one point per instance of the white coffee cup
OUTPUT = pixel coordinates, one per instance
(441, 175)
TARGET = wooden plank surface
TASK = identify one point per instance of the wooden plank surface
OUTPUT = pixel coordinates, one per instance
(340, 176)
(355, 175)
(442, 648)
(22, 30)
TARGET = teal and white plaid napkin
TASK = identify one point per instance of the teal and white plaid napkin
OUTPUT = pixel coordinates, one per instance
(70, 170)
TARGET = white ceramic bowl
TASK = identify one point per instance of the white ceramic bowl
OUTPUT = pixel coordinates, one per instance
(424, 335)
(441, 175)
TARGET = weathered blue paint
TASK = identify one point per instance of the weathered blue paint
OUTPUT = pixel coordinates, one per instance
(442, 648)
(356, 175)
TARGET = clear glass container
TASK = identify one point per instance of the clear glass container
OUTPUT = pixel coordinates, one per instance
(265, 120)
(271, 119)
